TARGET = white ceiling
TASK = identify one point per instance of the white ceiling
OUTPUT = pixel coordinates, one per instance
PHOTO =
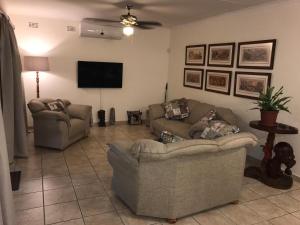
(168, 12)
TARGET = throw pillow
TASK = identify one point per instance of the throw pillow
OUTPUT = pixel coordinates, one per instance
(177, 109)
(54, 106)
(202, 123)
(57, 105)
(218, 128)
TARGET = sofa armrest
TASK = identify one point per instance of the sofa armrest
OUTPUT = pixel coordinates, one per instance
(237, 140)
(122, 149)
(54, 115)
(82, 112)
(156, 111)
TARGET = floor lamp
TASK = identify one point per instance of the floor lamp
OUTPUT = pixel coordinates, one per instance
(37, 64)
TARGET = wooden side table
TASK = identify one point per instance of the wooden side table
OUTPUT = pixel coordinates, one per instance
(270, 170)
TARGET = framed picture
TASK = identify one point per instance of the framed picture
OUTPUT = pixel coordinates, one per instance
(195, 55)
(218, 81)
(256, 54)
(250, 84)
(221, 54)
(193, 78)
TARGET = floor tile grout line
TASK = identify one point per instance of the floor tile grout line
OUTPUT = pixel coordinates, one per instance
(116, 211)
(65, 221)
(195, 220)
(77, 200)
(266, 198)
(229, 217)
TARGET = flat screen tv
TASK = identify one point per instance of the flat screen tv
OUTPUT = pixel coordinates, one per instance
(99, 74)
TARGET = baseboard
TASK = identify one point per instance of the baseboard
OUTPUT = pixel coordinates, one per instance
(118, 123)
(256, 161)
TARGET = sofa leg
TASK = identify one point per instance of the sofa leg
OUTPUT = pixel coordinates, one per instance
(235, 202)
(171, 221)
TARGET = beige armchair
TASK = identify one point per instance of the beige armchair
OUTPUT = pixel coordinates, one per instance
(58, 130)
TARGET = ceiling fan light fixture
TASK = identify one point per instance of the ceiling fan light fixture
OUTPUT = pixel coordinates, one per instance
(128, 30)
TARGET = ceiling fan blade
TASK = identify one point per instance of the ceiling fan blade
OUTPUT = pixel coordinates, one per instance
(149, 23)
(144, 27)
(97, 20)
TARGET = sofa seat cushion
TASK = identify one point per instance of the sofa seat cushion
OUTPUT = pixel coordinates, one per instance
(77, 127)
(176, 127)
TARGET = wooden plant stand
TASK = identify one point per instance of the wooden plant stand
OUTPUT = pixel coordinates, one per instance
(267, 173)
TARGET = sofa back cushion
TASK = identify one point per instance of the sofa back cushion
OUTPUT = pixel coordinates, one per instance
(197, 110)
(226, 115)
(147, 147)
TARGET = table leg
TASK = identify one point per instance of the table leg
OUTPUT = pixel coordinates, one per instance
(268, 148)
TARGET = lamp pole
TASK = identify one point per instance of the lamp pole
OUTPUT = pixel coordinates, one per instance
(37, 84)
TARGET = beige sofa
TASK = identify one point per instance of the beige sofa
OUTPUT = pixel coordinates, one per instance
(56, 129)
(178, 179)
(159, 123)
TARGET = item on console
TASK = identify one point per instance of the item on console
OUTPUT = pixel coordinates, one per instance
(101, 117)
(134, 117)
(112, 116)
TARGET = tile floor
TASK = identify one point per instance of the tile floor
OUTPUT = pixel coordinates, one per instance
(72, 187)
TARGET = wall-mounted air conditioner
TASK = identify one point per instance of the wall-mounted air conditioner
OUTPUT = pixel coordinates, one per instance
(94, 30)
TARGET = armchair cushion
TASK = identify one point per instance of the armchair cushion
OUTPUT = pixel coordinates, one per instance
(79, 111)
(54, 115)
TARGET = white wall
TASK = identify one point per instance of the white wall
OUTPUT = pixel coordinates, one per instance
(277, 20)
(144, 56)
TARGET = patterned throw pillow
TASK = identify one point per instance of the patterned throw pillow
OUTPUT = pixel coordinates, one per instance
(168, 137)
(218, 128)
(202, 123)
(177, 109)
(54, 106)
(57, 105)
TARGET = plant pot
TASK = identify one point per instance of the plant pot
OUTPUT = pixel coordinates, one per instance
(268, 118)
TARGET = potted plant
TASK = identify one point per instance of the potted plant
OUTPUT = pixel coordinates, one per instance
(270, 103)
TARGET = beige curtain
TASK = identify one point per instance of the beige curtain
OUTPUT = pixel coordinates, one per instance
(6, 197)
(11, 91)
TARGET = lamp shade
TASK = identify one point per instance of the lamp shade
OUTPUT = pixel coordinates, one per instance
(36, 63)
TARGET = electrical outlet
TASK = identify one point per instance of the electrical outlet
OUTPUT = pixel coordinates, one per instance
(71, 28)
(33, 25)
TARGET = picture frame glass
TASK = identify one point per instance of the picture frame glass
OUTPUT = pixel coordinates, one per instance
(256, 55)
(195, 55)
(220, 55)
(251, 85)
(218, 81)
(193, 78)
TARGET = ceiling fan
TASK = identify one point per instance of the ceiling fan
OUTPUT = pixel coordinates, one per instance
(128, 21)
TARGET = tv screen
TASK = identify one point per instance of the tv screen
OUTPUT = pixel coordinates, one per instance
(99, 74)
